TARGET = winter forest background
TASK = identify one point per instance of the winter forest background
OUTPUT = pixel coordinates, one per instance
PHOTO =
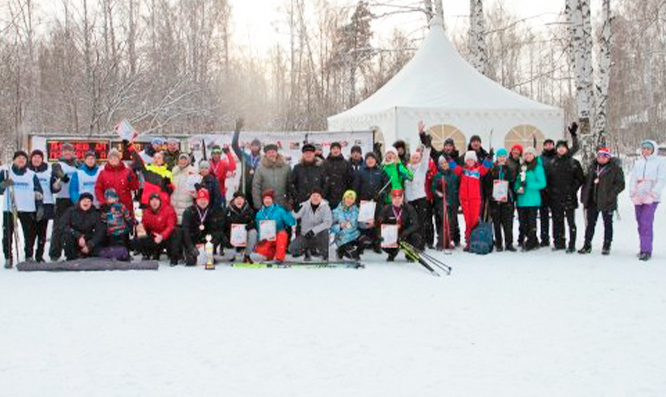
(175, 66)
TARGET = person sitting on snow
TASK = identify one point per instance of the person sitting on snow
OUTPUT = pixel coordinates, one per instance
(240, 212)
(316, 219)
(345, 227)
(275, 246)
(200, 220)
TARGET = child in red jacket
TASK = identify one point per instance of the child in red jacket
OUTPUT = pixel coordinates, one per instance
(470, 190)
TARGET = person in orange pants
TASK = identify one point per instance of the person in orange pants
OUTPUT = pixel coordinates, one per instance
(271, 215)
(470, 190)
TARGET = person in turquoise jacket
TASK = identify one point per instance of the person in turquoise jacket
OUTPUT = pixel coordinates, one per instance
(528, 186)
(345, 226)
(274, 247)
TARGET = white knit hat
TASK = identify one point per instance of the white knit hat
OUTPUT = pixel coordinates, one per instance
(471, 155)
(532, 151)
(391, 150)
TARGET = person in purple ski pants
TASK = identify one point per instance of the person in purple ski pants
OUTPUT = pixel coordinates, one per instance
(648, 179)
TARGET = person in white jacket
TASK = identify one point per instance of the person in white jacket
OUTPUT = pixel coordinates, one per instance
(415, 190)
(648, 179)
(184, 179)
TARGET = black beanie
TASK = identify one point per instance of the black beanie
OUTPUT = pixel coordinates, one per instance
(371, 154)
(474, 138)
(547, 141)
(21, 153)
(562, 143)
(86, 195)
(37, 152)
(356, 148)
(336, 144)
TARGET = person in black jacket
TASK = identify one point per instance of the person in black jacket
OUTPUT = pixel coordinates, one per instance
(565, 176)
(239, 212)
(82, 229)
(371, 183)
(398, 212)
(338, 175)
(306, 176)
(501, 205)
(603, 183)
(356, 158)
(401, 147)
(200, 220)
(210, 183)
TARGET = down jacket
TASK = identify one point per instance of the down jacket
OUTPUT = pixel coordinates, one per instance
(348, 216)
(603, 194)
(316, 221)
(271, 175)
(161, 221)
(184, 181)
(648, 178)
(122, 179)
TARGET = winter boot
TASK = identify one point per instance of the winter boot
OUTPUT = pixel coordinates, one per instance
(587, 248)
(498, 247)
(307, 257)
(571, 249)
(546, 243)
(511, 248)
(392, 255)
(644, 256)
(9, 263)
(606, 248)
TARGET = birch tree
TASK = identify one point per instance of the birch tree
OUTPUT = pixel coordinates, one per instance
(603, 78)
(477, 40)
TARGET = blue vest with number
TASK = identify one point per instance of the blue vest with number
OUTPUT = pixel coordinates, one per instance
(87, 182)
(69, 170)
(45, 181)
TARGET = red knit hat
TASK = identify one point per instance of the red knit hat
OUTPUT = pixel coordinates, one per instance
(268, 192)
(517, 146)
(203, 194)
(604, 152)
(398, 193)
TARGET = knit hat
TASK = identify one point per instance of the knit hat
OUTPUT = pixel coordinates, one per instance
(562, 142)
(173, 140)
(356, 149)
(442, 159)
(547, 141)
(336, 144)
(268, 193)
(371, 154)
(37, 152)
(20, 153)
(647, 144)
(450, 141)
(216, 149)
(604, 152)
(349, 194)
(502, 152)
(204, 164)
(308, 147)
(67, 146)
(471, 155)
(184, 156)
(391, 150)
(397, 193)
(203, 194)
(531, 151)
(270, 146)
(238, 193)
(111, 193)
(400, 144)
(256, 142)
(317, 191)
(114, 153)
(86, 195)
(89, 154)
(474, 138)
(157, 196)
(517, 146)
(157, 141)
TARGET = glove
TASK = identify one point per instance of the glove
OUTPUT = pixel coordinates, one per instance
(240, 122)
(40, 213)
(57, 171)
(573, 130)
(39, 196)
(402, 236)
(309, 235)
(249, 227)
(491, 154)
(57, 185)
(125, 143)
(6, 183)
(194, 252)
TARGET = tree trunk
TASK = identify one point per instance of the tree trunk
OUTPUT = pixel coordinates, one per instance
(603, 80)
(477, 41)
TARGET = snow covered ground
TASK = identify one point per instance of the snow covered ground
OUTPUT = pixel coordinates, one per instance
(508, 324)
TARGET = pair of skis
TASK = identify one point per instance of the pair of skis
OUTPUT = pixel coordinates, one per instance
(424, 259)
(301, 265)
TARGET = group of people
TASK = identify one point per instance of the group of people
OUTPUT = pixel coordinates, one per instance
(181, 205)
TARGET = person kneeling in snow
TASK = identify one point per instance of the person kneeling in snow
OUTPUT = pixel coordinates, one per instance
(200, 220)
(82, 229)
(471, 190)
(316, 220)
(158, 223)
(400, 213)
(275, 246)
(239, 212)
(345, 227)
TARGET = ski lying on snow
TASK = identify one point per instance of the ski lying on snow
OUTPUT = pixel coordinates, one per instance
(301, 265)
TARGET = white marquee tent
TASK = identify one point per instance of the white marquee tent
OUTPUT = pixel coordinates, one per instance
(453, 99)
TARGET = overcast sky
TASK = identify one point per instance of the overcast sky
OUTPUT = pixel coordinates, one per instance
(255, 20)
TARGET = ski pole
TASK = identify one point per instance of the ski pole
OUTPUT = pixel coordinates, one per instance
(415, 257)
(427, 256)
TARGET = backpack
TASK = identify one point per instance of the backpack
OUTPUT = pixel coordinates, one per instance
(481, 240)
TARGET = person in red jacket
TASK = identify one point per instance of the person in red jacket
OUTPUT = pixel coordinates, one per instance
(157, 227)
(116, 175)
(222, 168)
(470, 191)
